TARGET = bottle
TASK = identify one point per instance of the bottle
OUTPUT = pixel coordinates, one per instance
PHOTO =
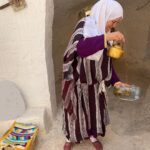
(129, 93)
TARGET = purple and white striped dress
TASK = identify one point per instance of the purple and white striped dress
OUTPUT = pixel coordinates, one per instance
(83, 90)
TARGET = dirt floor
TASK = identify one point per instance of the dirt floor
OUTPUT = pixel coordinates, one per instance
(130, 121)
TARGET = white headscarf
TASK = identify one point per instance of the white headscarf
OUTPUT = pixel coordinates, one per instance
(101, 12)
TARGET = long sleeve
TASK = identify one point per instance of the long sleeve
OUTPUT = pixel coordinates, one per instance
(114, 77)
(89, 46)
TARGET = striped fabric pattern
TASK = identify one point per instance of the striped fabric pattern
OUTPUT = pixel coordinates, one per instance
(83, 91)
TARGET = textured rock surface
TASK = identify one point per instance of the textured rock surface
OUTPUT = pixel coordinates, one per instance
(135, 27)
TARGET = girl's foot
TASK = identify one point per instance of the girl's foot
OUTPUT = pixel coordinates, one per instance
(68, 146)
(96, 143)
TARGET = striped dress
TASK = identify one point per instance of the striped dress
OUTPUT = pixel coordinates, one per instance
(83, 91)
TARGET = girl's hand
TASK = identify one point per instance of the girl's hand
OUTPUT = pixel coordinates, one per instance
(117, 84)
(115, 36)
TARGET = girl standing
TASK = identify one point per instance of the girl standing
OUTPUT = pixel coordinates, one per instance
(87, 70)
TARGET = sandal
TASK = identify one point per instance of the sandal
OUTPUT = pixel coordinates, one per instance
(68, 146)
(98, 145)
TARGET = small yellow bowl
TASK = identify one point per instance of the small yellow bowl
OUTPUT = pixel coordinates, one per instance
(116, 52)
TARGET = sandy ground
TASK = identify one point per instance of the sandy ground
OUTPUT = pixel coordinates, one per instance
(130, 121)
(112, 140)
(129, 128)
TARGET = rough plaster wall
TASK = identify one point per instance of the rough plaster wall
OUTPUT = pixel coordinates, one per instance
(65, 19)
(22, 52)
(136, 27)
(48, 48)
